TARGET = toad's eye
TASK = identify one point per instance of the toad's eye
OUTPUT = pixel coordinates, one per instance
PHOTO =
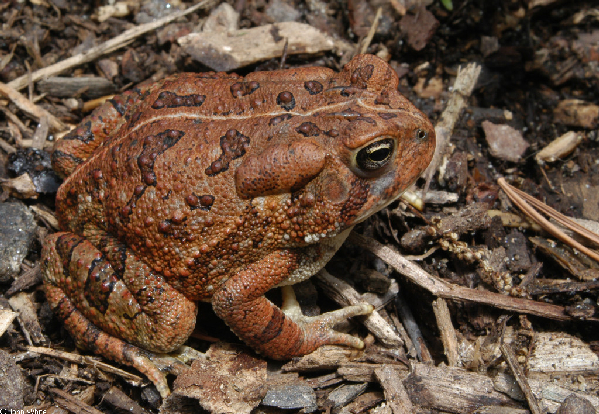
(375, 155)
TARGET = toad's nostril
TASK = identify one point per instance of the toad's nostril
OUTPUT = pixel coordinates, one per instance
(421, 134)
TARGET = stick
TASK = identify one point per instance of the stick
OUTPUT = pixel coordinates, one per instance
(107, 47)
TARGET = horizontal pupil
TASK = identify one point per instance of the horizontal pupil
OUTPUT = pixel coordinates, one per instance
(379, 154)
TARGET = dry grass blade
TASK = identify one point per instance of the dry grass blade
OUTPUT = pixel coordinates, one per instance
(375, 24)
(520, 199)
(560, 218)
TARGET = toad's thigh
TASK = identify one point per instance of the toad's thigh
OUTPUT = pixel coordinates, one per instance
(116, 292)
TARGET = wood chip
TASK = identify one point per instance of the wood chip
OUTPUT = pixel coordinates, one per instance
(453, 389)
(92, 86)
(21, 303)
(556, 353)
(234, 50)
(560, 147)
(210, 381)
(72, 404)
(118, 399)
(327, 357)
(20, 187)
(448, 335)
(6, 318)
(344, 394)
(577, 113)
(30, 108)
(395, 392)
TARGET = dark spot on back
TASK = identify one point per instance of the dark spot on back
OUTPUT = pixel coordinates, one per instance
(233, 145)
(359, 78)
(278, 119)
(168, 99)
(308, 129)
(286, 100)
(243, 88)
(313, 87)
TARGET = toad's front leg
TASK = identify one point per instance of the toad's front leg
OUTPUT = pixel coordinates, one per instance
(240, 302)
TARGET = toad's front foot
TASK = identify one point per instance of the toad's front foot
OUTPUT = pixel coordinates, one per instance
(321, 327)
(273, 332)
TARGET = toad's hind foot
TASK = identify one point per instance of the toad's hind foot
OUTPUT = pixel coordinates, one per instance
(87, 335)
(321, 325)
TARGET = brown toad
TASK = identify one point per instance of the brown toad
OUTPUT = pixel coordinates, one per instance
(216, 187)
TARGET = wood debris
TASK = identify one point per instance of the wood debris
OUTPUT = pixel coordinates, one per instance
(229, 380)
(237, 49)
(559, 147)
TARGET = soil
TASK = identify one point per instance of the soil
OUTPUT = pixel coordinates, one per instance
(540, 76)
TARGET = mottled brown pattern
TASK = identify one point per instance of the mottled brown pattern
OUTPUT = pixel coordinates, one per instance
(216, 187)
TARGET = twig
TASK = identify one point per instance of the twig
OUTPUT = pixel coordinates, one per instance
(109, 46)
(345, 295)
(462, 88)
(448, 335)
(79, 359)
(29, 107)
(375, 24)
(72, 404)
(510, 359)
(443, 289)
(519, 198)
(412, 328)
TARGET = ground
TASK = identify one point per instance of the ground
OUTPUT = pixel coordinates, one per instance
(539, 81)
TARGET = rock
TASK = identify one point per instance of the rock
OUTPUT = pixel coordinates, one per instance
(17, 228)
(576, 405)
(419, 27)
(37, 165)
(504, 142)
(11, 384)
(291, 397)
(281, 11)
(223, 19)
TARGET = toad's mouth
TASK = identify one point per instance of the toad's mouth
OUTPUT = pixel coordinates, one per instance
(383, 202)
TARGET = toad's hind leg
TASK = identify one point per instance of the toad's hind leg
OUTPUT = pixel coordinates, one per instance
(80, 143)
(109, 300)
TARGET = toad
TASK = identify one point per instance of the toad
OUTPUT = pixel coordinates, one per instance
(215, 187)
